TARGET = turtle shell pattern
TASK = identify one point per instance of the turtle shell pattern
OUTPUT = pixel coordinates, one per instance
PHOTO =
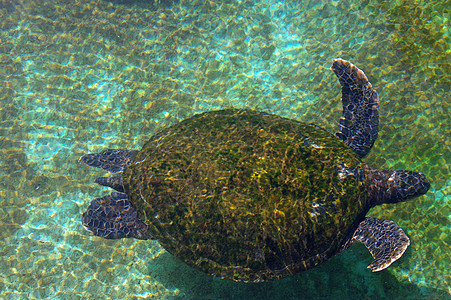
(247, 195)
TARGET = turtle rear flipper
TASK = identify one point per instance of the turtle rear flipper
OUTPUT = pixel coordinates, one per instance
(111, 160)
(385, 240)
(114, 217)
(359, 123)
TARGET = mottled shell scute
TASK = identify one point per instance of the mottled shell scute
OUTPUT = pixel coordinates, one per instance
(248, 195)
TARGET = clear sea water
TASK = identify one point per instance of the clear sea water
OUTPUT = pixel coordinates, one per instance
(82, 76)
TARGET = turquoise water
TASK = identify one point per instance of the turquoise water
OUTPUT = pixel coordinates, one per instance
(83, 76)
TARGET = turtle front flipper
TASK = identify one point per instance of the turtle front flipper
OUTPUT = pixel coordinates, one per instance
(111, 160)
(358, 125)
(385, 240)
(114, 217)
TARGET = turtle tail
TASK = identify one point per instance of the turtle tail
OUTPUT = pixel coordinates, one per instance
(111, 160)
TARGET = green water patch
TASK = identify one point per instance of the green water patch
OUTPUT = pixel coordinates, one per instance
(82, 76)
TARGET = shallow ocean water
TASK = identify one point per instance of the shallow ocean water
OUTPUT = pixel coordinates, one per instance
(83, 76)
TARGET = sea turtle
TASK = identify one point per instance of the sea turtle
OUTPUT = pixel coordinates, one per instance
(251, 196)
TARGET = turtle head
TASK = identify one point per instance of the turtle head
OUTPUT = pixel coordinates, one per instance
(392, 186)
